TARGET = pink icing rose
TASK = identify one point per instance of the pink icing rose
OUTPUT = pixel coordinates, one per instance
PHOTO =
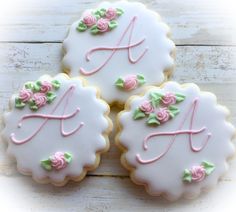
(40, 99)
(58, 161)
(46, 86)
(198, 173)
(102, 25)
(163, 115)
(89, 20)
(169, 99)
(25, 95)
(111, 14)
(146, 107)
(130, 82)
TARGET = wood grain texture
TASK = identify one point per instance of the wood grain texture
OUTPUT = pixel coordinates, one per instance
(191, 21)
(103, 195)
(30, 45)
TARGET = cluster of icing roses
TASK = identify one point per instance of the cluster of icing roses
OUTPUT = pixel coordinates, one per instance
(130, 82)
(100, 21)
(57, 161)
(160, 108)
(198, 173)
(37, 94)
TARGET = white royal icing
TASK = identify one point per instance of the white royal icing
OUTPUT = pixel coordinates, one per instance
(82, 133)
(149, 53)
(161, 169)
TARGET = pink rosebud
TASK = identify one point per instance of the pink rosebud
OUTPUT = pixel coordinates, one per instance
(102, 25)
(58, 161)
(40, 99)
(130, 82)
(111, 14)
(89, 20)
(168, 99)
(25, 95)
(46, 87)
(146, 107)
(163, 115)
(198, 173)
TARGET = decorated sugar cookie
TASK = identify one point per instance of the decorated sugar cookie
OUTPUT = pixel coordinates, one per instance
(56, 129)
(175, 140)
(119, 47)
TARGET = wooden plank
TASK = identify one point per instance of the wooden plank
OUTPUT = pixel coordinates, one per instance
(209, 22)
(203, 64)
(105, 194)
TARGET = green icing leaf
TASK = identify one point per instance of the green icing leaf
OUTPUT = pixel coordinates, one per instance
(32, 105)
(97, 16)
(113, 24)
(68, 157)
(50, 97)
(138, 114)
(155, 98)
(94, 30)
(173, 111)
(46, 164)
(172, 115)
(152, 119)
(36, 87)
(97, 13)
(119, 83)
(38, 83)
(29, 85)
(102, 12)
(19, 104)
(209, 167)
(82, 27)
(155, 102)
(141, 79)
(179, 97)
(119, 11)
(187, 176)
(156, 95)
(56, 84)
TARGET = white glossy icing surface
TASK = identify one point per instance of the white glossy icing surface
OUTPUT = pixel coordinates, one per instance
(164, 176)
(152, 65)
(82, 145)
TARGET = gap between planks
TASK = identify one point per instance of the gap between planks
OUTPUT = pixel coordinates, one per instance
(60, 42)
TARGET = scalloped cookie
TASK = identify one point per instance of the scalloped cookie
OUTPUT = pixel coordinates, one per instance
(119, 47)
(56, 129)
(175, 140)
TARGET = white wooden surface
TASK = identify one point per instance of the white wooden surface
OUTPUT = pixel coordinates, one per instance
(31, 33)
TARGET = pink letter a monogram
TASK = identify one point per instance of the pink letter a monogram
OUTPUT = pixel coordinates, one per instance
(190, 132)
(50, 116)
(118, 47)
